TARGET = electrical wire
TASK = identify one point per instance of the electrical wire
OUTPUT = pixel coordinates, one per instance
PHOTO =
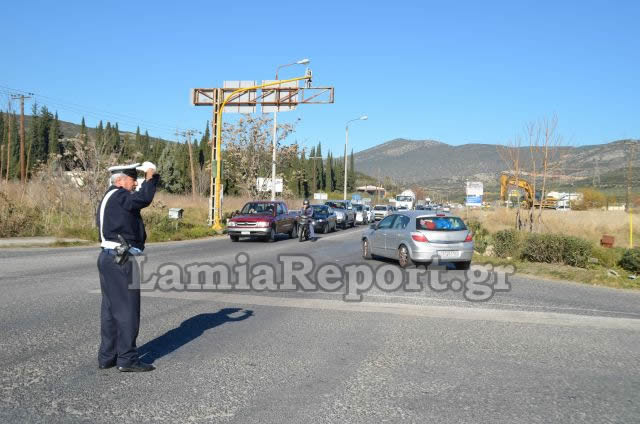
(54, 103)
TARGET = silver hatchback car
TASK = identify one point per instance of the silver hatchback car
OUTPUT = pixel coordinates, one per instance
(420, 237)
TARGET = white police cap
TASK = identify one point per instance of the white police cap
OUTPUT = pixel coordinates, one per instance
(129, 170)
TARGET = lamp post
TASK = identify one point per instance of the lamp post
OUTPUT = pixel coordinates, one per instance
(275, 130)
(346, 141)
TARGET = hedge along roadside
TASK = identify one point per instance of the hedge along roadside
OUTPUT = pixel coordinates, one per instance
(548, 248)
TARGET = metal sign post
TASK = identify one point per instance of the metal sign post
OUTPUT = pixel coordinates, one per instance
(243, 97)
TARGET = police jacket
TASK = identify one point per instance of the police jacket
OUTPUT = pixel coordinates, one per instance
(119, 213)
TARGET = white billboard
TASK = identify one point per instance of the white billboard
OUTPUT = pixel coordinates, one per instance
(475, 191)
(264, 184)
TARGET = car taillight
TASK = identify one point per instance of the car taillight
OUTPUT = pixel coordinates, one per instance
(469, 237)
(419, 237)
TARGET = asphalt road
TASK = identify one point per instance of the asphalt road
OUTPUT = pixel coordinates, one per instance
(539, 352)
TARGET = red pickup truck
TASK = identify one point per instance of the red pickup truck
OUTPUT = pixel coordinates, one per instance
(264, 219)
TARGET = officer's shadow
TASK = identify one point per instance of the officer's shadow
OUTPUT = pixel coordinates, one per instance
(187, 331)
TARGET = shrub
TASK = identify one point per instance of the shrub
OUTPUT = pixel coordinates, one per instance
(543, 248)
(576, 251)
(630, 260)
(506, 243)
(607, 256)
(480, 236)
(18, 219)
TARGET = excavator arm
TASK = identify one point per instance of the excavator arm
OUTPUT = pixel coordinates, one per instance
(507, 180)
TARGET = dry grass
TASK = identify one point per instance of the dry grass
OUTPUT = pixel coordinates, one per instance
(52, 207)
(42, 209)
(589, 225)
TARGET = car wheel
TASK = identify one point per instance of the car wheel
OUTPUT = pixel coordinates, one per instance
(294, 231)
(234, 238)
(366, 250)
(463, 265)
(403, 257)
(353, 223)
(271, 235)
(325, 230)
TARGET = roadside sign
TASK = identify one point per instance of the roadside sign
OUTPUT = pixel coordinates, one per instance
(475, 190)
(264, 184)
(320, 196)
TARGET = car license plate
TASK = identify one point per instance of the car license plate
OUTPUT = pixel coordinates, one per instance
(245, 233)
(448, 253)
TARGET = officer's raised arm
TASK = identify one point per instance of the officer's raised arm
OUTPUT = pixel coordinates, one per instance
(142, 198)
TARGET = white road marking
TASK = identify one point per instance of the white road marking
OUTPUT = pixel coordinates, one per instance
(424, 311)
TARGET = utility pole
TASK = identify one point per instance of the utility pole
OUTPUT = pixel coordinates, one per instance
(2, 151)
(596, 174)
(23, 169)
(8, 141)
(188, 134)
(631, 145)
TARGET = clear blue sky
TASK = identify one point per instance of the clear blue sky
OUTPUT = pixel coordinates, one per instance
(458, 72)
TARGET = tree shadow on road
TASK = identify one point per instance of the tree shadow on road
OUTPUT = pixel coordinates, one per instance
(189, 330)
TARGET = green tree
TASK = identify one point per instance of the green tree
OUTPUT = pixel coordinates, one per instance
(172, 173)
(204, 149)
(146, 145)
(322, 177)
(55, 135)
(339, 169)
(351, 178)
(331, 173)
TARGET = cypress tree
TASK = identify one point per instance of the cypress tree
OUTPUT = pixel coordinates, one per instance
(100, 134)
(322, 178)
(146, 144)
(351, 179)
(204, 150)
(54, 136)
(331, 173)
(313, 182)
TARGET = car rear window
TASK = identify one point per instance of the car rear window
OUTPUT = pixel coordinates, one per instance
(440, 223)
(380, 208)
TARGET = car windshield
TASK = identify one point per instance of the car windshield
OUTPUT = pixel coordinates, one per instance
(380, 208)
(256, 208)
(320, 209)
(337, 205)
(358, 207)
(404, 198)
(440, 223)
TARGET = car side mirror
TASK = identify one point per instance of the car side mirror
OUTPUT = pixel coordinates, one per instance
(373, 226)
(234, 213)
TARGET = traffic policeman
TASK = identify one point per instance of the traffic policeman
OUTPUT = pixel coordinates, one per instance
(122, 234)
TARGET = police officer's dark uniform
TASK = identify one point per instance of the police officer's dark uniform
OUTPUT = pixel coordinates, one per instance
(119, 214)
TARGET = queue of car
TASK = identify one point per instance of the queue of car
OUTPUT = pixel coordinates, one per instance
(409, 236)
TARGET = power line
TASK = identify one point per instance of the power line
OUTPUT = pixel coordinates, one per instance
(92, 112)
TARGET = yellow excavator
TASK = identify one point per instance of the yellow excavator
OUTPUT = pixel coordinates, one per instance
(529, 198)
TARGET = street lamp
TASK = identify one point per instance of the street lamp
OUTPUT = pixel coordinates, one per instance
(275, 129)
(346, 141)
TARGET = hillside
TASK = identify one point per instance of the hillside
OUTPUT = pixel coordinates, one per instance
(433, 163)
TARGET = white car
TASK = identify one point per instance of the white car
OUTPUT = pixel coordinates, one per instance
(361, 214)
(381, 211)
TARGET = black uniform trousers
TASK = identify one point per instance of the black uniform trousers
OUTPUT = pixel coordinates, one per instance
(120, 311)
